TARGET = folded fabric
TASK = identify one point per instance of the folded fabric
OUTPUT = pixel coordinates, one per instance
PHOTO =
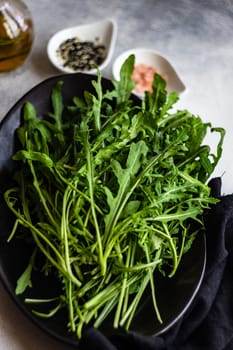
(208, 324)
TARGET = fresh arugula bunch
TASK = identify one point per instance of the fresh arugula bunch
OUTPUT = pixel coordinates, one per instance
(109, 191)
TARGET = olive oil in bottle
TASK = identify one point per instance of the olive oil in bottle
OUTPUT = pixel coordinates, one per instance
(16, 34)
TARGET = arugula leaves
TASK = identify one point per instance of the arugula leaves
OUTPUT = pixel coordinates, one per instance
(108, 191)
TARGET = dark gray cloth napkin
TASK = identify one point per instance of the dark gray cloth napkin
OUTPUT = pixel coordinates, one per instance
(208, 324)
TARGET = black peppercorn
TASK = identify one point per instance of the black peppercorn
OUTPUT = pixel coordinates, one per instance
(81, 55)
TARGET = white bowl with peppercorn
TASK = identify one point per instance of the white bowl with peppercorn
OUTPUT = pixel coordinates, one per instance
(147, 63)
(83, 48)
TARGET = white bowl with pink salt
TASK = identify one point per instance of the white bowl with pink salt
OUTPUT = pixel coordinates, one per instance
(147, 63)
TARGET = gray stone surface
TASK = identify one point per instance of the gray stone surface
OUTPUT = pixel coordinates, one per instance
(196, 36)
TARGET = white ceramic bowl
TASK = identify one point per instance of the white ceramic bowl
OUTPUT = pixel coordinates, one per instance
(105, 31)
(155, 60)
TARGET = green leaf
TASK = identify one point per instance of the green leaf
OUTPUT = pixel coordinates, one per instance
(125, 176)
(131, 208)
(97, 102)
(155, 101)
(125, 86)
(57, 105)
(24, 281)
(35, 156)
(57, 102)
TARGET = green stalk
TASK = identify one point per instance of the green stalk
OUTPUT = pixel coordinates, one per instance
(102, 297)
(90, 177)
(123, 290)
(106, 311)
(76, 189)
(71, 308)
(128, 192)
(151, 273)
(128, 316)
(168, 238)
(131, 263)
(37, 187)
(60, 264)
(64, 230)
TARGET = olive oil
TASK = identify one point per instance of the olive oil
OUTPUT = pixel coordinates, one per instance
(16, 34)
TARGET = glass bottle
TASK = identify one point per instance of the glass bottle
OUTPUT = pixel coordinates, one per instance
(16, 34)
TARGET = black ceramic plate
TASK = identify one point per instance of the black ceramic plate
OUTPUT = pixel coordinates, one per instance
(174, 295)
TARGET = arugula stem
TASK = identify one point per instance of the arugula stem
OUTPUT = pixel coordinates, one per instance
(106, 311)
(37, 187)
(90, 177)
(71, 309)
(168, 238)
(131, 263)
(64, 229)
(126, 193)
(133, 306)
(123, 290)
(151, 271)
(60, 264)
(76, 189)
